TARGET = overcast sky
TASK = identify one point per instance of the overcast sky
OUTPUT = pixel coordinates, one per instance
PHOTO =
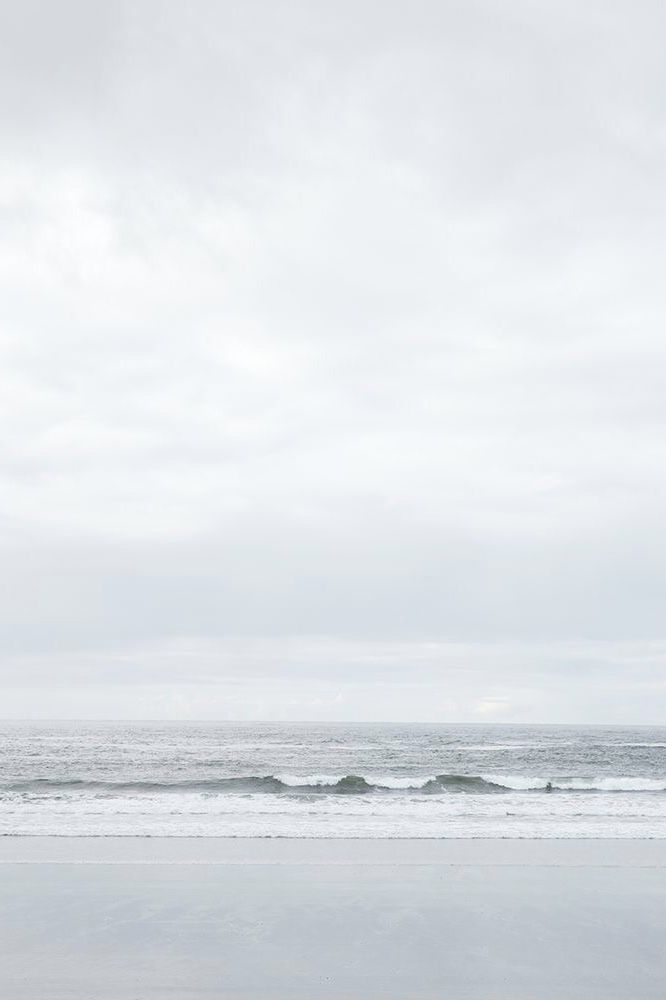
(333, 359)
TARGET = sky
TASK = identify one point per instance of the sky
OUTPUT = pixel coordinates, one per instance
(333, 360)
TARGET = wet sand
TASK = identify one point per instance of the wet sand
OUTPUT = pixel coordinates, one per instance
(466, 920)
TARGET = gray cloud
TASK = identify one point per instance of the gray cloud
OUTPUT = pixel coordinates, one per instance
(341, 322)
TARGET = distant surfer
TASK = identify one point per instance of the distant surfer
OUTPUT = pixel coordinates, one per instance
(549, 786)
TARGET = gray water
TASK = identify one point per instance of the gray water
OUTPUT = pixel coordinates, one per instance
(307, 780)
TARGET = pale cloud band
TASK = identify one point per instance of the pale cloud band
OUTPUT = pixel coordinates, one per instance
(322, 678)
(339, 320)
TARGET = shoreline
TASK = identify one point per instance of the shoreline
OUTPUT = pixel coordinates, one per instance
(483, 852)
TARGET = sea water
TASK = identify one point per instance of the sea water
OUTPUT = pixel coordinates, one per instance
(334, 780)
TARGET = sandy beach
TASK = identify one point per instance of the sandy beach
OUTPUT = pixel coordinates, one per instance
(469, 920)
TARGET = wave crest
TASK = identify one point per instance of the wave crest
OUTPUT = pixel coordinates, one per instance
(348, 784)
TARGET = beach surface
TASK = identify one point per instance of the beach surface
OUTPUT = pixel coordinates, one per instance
(130, 919)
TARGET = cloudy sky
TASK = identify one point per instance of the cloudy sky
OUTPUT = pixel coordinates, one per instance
(333, 359)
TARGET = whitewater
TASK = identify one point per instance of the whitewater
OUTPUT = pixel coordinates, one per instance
(329, 781)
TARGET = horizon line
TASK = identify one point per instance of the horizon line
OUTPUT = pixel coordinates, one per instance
(340, 722)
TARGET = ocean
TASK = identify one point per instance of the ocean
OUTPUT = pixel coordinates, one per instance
(302, 780)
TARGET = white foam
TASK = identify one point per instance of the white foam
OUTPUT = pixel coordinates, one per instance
(615, 784)
(644, 745)
(391, 781)
(513, 814)
(298, 780)
(519, 782)
(380, 780)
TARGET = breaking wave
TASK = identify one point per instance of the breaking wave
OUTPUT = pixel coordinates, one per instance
(349, 784)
